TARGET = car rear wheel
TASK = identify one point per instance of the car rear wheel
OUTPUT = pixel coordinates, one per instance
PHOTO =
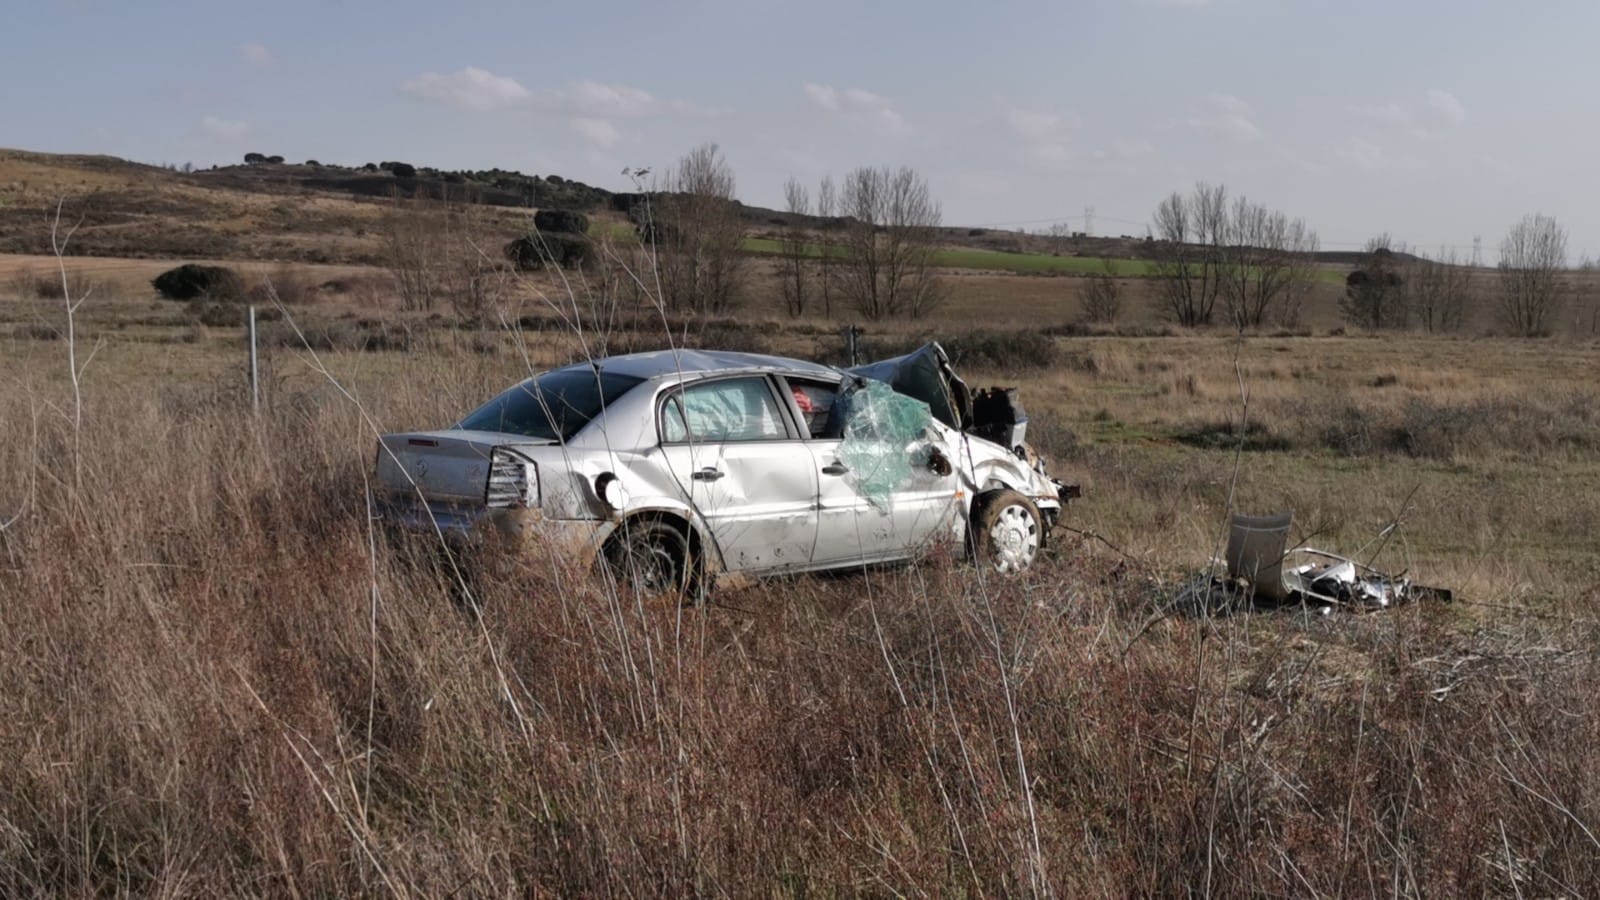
(1007, 531)
(650, 557)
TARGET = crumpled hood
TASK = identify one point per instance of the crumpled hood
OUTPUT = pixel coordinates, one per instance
(925, 374)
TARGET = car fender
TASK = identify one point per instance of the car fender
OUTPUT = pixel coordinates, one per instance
(988, 467)
(700, 535)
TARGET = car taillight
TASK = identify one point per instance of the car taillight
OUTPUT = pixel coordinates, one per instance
(513, 480)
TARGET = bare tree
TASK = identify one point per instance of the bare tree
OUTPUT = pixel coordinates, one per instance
(1268, 264)
(698, 233)
(1532, 257)
(1058, 234)
(827, 203)
(435, 248)
(1374, 294)
(794, 247)
(887, 264)
(1588, 292)
(1102, 293)
(1438, 289)
(1189, 233)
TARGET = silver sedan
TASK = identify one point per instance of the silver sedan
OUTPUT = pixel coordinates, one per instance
(680, 468)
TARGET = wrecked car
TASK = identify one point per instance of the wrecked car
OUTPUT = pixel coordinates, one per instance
(681, 467)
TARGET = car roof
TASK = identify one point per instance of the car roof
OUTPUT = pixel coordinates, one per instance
(658, 363)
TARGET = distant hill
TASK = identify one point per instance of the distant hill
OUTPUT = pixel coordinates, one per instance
(272, 209)
(492, 187)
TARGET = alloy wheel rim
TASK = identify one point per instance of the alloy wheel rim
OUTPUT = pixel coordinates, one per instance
(1015, 537)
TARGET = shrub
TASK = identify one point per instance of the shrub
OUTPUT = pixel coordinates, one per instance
(228, 315)
(627, 203)
(192, 280)
(1010, 350)
(28, 285)
(287, 284)
(567, 251)
(361, 335)
(561, 220)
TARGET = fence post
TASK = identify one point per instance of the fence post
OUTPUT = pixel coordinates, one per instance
(850, 333)
(255, 372)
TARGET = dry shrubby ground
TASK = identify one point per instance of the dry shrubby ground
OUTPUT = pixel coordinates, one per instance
(220, 679)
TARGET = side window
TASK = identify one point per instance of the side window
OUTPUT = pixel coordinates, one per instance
(731, 409)
(816, 401)
(673, 428)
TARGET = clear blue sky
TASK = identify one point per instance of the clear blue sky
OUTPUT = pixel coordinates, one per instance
(1436, 121)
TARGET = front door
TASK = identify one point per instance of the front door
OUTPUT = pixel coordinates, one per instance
(894, 522)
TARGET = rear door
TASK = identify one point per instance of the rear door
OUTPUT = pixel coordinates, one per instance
(739, 460)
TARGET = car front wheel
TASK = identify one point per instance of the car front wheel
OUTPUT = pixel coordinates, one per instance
(1007, 531)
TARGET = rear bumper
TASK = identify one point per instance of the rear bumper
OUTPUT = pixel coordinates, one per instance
(578, 538)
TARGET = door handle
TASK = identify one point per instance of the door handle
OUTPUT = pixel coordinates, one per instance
(707, 474)
(835, 469)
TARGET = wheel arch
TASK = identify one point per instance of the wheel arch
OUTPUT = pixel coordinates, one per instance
(701, 547)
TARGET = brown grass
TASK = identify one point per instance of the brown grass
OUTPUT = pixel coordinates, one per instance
(219, 680)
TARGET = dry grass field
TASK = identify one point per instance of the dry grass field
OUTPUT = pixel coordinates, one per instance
(220, 680)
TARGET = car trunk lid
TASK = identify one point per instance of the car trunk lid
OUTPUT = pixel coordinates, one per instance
(449, 466)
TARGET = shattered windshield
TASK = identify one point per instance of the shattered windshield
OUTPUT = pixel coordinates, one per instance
(553, 406)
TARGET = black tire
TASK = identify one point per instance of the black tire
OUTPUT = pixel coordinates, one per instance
(1006, 531)
(652, 558)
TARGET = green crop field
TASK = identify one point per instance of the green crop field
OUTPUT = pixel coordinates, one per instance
(1021, 263)
(994, 260)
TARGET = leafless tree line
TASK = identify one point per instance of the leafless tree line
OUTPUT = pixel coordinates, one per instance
(1268, 265)
(1398, 287)
(871, 246)
(698, 233)
(441, 251)
(1256, 263)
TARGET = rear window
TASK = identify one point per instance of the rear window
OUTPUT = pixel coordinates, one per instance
(553, 406)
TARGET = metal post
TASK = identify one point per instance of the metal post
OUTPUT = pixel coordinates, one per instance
(850, 333)
(255, 372)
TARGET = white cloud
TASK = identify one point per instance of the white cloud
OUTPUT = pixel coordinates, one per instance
(1438, 111)
(823, 95)
(1386, 113)
(1131, 148)
(1446, 107)
(256, 54)
(593, 98)
(597, 132)
(1226, 116)
(598, 100)
(858, 105)
(224, 129)
(593, 108)
(471, 88)
(1040, 125)
(1044, 135)
(1363, 154)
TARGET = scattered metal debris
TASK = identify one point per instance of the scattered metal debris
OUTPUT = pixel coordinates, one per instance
(1261, 572)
